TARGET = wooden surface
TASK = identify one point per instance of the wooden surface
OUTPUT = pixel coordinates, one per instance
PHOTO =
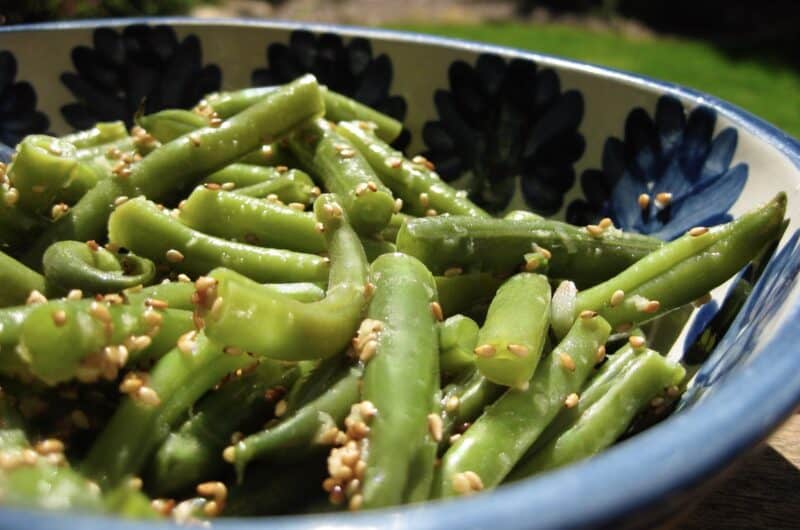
(761, 492)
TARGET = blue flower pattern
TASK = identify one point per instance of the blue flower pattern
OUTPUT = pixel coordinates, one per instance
(349, 69)
(503, 122)
(18, 114)
(670, 153)
(142, 65)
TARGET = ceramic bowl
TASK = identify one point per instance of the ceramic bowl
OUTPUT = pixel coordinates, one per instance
(516, 129)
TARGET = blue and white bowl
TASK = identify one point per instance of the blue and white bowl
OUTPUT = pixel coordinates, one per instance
(517, 130)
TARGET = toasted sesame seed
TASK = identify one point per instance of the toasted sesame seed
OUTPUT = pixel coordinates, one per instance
(214, 489)
(698, 231)
(156, 303)
(371, 186)
(623, 327)
(49, 446)
(636, 341)
(319, 227)
(212, 186)
(333, 209)
(673, 391)
(228, 186)
(280, 408)
(543, 251)
(174, 256)
(11, 196)
(367, 409)
(212, 509)
(100, 311)
(93, 246)
(461, 484)
(605, 222)
(204, 283)
(594, 230)
(398, 205)
(131, 383)
(617, 298)
(419, 159)
(163, 506)
(59, 317)
(532, 264)
(315, 191)
(122, 199)
(299, 206)
(368, 350)
(435, 426)
(424, 200)
(195, 139)
(148, 396)
(216, 307)
(135, 483)
(431, 213)
(566, 361)
(520, 350)
(452, 403)
(651, 307)
(644, 201)
(347, 153)
(663, 198)
(58, 211)
(587, 314)
(393, 162)
(361, 189)
(485, 350)
(436, 309)
(601, 353)
(369, 289)
(571, 400)
(152, 317)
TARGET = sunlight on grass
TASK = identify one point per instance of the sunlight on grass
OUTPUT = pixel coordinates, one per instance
(769, 91)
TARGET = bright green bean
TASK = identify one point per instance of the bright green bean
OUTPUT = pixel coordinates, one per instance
(339, 108)
(458, 336)
(101, 133)
(17, 281)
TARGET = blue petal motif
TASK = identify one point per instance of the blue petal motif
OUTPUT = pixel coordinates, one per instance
(349, 69)
(18, 114)
(502, 121)
(141, 64)
(671, 153)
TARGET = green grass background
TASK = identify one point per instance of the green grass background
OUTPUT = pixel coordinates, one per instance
(768, 89)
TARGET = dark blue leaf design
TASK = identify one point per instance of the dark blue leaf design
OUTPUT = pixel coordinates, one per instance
(140, 63)
(18, 114)
(349, 69)
(502, 121)
(673, 153)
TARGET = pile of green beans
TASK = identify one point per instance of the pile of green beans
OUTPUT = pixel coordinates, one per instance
(281, 313)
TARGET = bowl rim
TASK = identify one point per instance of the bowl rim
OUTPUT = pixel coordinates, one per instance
(678, 455)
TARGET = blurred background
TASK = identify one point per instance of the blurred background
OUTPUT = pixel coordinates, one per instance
(745, 51)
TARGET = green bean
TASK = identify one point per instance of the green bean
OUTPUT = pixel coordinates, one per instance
(422, 465)
(192, 452)
(168, 241)
(30, 480)
(331, 159)
(594, 389)
(306, 430)
(315, 379)
(157, 401)
(499, 245)
(458, 336)
(101, 336)
(399, 342)
(184, 160)
(683, 270)
(291, 186)
(374, 248)
(390, 232)
(264, 323)
(101, 133)
(273, 154)
(46, 171)
(415, 182)
(663, 332)
(106, 156)
(603, 422)
(18, 281)
(227, 104)
(169, 124)
(522, 215)
(511, 339)
(463, 401)
(75, 265)
(242, 175)
(177, 295)
(460, 293)
(249, 220)
(17, 226)
(339, 108)
(487, 451)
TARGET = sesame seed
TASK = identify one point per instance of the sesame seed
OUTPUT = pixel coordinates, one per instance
(436, 309)
(435, 426)
(594, 230)
(356, 502)
(532, 264)
(431, 212)
(543, 251)
(347, 153)
(211, 509)
(152, 317)
(315, 191)
(393, 162)
(361, 189)
(212, 186)
(131, 383)
(520, 350)
(135, 483)
(398, 205)
(601, 353)
(148, 396)
(673, 391)
(657, 401)
(663, 198)
(698, 231)
(163, 506)
(174, 256)
(195, 139)
(215, 122)
(453, 438)
(419, 159)
(319, 227)
(93, 246)
(155, 303)
(333, 209)
(371, 186)
(566, 361)
(280, 408)
(605, 222)
(644, 201)
(368, 351)
(228, 186)
(214, 489)
(484, 350)
(59, 317)
(452, 403)
(587, 314)
(369, 289)
(58, 211)
(216, 307)
(617, 298)
(623, 327)
(424, 200)
(571, 400)
(229, 454)
(122, 199)
(367, 409)
(267, 151)
(49, 446)
(204, 283)
(11, 196)
(299, 206)
(651, 306)
(461, 484)
(100, 311)
(453, 271)
(636, 341)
